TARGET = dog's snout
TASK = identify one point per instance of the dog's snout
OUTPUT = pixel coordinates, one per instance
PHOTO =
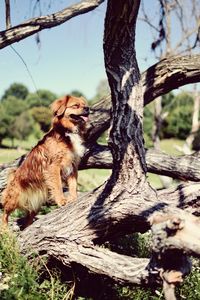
(86, 109)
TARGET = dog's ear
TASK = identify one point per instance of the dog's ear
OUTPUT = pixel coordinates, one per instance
(58, 106)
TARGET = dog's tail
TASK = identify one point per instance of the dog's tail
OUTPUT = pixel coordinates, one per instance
(6, 177)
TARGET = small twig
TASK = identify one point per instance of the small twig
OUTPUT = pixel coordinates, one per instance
(8, 20)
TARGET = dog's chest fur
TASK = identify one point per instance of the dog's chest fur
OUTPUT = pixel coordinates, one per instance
(78, 151)
(77, 144)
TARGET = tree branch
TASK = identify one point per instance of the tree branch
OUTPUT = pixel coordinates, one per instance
(23, 30)
(184, 167)
(161, 78)
(56, 236)
(120, 268)
(8, 21)
(169, 74)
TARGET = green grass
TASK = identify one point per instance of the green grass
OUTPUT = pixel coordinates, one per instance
(22, 280)
(7, 155)
(92, 178)
(170, 146)
(25, 144)
(154, 180)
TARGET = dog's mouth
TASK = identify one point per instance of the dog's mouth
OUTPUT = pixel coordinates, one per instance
(83, 117)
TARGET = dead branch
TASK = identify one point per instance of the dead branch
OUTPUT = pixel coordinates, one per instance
(184, 167)
(32, 26)
(175, 234)
(161, 78)
(8, 20)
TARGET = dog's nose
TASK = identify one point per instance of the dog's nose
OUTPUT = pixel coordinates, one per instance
(86, 109)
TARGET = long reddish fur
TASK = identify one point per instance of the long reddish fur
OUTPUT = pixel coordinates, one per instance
(51, 162)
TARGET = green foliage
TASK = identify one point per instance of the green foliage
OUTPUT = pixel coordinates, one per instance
(169, 101)
(18, 120)
(148, 125)
(10, 109)
(23, 125)
(14, 106)
(4, 123)
(190, 289)
(137, 293)
(132, 244)
(41, 98)
(77, 93)
(42, 115)
(178, 123)
(20, 280)
(17, 90)
(179, 119)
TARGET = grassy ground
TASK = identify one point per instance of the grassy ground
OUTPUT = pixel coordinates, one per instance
(7, 155)
(171, 146)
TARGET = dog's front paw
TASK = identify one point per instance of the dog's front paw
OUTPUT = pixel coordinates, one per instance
(62, 201)
(71, 199)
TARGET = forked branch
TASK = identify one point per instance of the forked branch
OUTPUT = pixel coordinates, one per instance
(32, 26)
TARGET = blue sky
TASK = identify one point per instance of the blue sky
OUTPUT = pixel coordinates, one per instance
(70, 56)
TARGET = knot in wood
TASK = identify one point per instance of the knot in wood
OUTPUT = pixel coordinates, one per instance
(174, 225)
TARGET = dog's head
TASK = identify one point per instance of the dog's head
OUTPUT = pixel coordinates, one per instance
(70, 112)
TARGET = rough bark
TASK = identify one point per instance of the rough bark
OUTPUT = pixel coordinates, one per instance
(8, 20)
(32, 26)
(184, 167)
(161, 78)
(73, 241)
(168, 74)
(174, 234)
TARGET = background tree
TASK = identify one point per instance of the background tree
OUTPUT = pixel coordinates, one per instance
(16, 90)
(22, 126)
(4, 123)
(11, 108)
(42, 115)
(178, 122)
(40, 98)
(76, 93)
(164, 44)
(19, 106)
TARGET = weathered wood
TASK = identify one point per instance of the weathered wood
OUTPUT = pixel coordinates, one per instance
(32, 26)
(183, 167)
(174, 236)
(50, 237)
(120, 268)
(161, 78)
(8, 19)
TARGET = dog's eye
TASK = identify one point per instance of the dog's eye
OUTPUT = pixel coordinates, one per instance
(75, 106)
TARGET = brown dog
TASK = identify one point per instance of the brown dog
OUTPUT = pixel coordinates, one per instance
(52, 162)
